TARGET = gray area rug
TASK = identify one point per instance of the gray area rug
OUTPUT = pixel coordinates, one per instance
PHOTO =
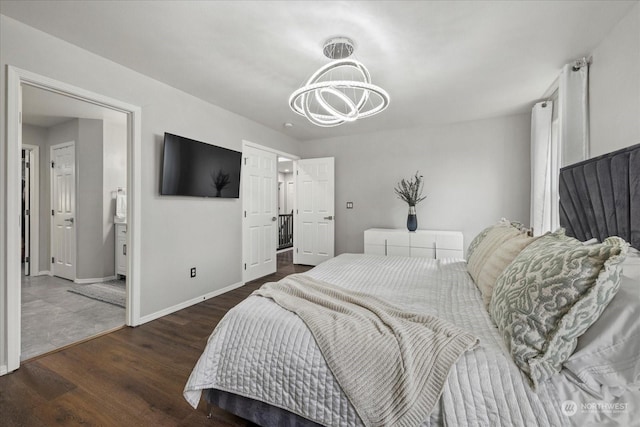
(112, 292)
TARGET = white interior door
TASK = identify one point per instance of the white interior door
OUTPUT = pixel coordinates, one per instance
(260, 234)
(63, 205)
(314, 227)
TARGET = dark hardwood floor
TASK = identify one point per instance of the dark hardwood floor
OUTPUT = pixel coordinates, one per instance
(131, 377)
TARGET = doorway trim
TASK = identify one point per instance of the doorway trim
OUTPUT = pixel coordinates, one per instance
(15, 78)
(34, 209)
(278, 153)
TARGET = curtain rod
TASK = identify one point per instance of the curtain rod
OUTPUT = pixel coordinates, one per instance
(577, 64)
(582, 62)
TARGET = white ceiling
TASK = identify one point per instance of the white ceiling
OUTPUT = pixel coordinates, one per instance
(285, 166)
(440, 61)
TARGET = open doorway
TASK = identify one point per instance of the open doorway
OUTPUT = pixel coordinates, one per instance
(286, 203)
(262, 209)
(74, 291)
(16, 78)
(264, 199)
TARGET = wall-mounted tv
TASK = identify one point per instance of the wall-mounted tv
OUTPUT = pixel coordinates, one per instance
(194, 168)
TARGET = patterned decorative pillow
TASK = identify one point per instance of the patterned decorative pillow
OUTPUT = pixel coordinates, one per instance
(550, 294)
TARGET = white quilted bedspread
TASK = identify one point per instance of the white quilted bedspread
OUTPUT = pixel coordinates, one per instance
(262, 351)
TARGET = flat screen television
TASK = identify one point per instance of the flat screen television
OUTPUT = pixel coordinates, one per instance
(194, 168)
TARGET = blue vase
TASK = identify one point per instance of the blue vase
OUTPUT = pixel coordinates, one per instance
(412, 219)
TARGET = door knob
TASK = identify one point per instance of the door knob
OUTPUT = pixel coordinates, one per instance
(273, 218)
(330, 217)
(70, 220)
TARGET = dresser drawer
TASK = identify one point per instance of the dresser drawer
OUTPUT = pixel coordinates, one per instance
(398, 250)
(397, 239)
(423, 252)
(386, 237)
(423, 239)
(422, 243)
(373, 237)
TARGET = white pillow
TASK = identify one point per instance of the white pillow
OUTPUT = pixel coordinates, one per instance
(631, 265)
(608, 353)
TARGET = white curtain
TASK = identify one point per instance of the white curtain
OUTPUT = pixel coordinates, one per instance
(559, 137)
(573, 112)
(545, 154)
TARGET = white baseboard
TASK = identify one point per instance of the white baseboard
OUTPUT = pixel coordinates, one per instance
(42, 273)
(177, 307)
(3, 370)
(96, 280)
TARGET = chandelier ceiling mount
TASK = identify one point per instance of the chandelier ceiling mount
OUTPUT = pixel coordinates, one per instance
(338, 48)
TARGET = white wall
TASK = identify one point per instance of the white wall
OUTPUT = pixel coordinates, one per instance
(93, 258)
(475, 173)
(614, 87)
(177, 232)
(114, 176)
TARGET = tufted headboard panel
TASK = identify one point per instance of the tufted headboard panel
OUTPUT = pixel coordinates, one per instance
(600, 197)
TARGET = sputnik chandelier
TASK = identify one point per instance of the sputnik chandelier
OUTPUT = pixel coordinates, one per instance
(340, 91)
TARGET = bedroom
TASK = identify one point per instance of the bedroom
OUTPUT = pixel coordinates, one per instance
(498, 144)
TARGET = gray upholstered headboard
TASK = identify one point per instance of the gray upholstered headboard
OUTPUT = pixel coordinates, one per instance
(600, 197)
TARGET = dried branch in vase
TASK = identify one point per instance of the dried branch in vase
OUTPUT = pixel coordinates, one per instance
(411, 190)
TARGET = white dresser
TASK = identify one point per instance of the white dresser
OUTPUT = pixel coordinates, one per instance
(421, 243)
(121, 249)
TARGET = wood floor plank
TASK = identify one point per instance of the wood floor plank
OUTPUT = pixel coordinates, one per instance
(111, 389)
(48, 384)
(18, 400)
(78, 408)
(133, 376)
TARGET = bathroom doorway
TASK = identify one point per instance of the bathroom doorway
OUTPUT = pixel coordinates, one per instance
(72, 291)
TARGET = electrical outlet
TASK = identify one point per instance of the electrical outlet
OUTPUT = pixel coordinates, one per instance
(349, 205)
(193, 272)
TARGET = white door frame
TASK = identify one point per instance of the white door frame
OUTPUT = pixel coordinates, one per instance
(246, 143)
(34, 209)
(26, 213)
(15, 78)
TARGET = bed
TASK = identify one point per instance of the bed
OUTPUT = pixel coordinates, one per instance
(263, 363)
